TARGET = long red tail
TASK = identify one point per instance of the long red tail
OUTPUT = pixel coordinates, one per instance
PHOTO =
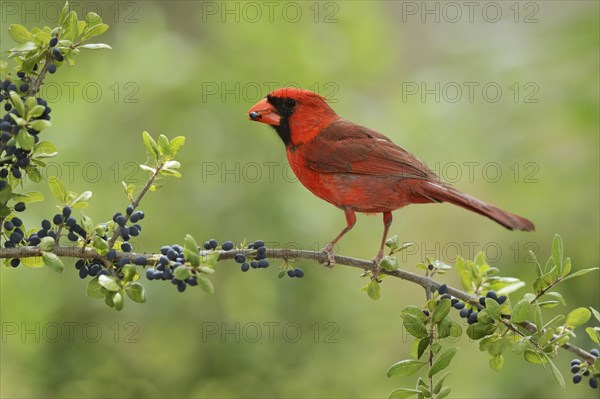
(441, 193)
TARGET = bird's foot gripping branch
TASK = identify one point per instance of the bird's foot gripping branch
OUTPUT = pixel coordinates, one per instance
(102, 254)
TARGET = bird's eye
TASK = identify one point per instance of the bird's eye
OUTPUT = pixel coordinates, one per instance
(289, 103)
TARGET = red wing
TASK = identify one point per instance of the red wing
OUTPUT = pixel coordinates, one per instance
(344, 147)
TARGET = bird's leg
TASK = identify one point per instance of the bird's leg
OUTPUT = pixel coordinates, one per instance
(387, 222)
(328, 249)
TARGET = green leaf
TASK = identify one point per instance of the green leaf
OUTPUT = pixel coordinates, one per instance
(441, 310)
(175, 145)
(47, 243)
(593, 333)
(389, 263)
(496, 362)
(163, 145)
(96, 46)
(205, 284)
(92, 19)
(100, 245)
(25, 140)
(57, 189)
(95, 290)
(477, 331)
(521, 311)
(117, 300)
(150, 145)
(577, 317)
(109, 282)
(442, 361)
(557, 251)
(70, 27)
(44, 149)
(33, 261)
(392, 243)
(63, 14)
(414, 326)
(182, 272)
(39, 124)
(440, 382)
(130, 273)
(493, 309)
(556, 373)
(444, 328)
(53, 261)
(402, 393)
(556, 295)
(170, 172)
(537, 317)
(405, 368)
(566, 268)
(444, 392)
(28, 197)
(421, 346)
(136, 292)
(533, 357)
(538, 267)
(580, 273)
(374, 290)
(36, 111)
(191, 251)
(595, 313)
(19, 34)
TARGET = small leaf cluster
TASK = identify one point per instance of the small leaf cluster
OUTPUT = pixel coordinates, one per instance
(428, 326)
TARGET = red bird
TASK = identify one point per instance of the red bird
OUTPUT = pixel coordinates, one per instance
(355, 168)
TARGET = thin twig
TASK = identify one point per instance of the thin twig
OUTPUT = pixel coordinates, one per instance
(285, 254)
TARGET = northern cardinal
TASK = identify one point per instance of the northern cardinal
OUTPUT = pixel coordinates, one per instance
(355, 168)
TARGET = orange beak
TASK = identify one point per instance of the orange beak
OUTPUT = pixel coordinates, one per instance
(264, 112)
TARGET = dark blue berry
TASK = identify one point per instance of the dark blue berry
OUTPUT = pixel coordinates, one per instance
(24, 87)
(150, 274)
(53, 42)
(472, 319)
(79, 264)
(158, 275)
(164, 249)
(57, 55)
(72, 236)
(16, 237)
(8, 225)
(258, 243)
(172, 254)
(575, 361)
(239, 258)
(120, 220)
(46, 225)
(206, 245)
(34, 240)
(213, 243)
(134, 218)
(577, 378)
(192, 281)
(94, 269)
(261, 253)
(57, 219)
(181, 286)
(66, 211)
(227, 246)
(299, 273)
(501, 299)
(115, 216)
(5, 127)
(459, 305)
(14, 262)
(595, 352)
(126, 247)
(291, 273)
(575, 369)
(133, 230)
(426, 312)
(163, 260)
(446, 296)
(17, 222)
(492, 295)
(245, 267)
(141, 260)
(263, 263)
(482, 300)
(594, 383)
(442, 289)
(112, 254)
(70, 221)
(21, 74)
(140, 215)
(15, 171)
(254, 264)
(83, 272)
(129, 209)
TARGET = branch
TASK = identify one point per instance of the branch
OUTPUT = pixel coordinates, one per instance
(286, 254)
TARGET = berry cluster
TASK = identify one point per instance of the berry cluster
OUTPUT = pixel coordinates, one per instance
(127, 231)
(464, 312)
(15, 159)
(170, 259)
(581, 370)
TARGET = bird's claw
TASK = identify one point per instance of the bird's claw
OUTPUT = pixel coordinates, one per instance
(377, 269)
(328, 249)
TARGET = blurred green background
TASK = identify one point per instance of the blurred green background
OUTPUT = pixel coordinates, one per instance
(192, 68)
